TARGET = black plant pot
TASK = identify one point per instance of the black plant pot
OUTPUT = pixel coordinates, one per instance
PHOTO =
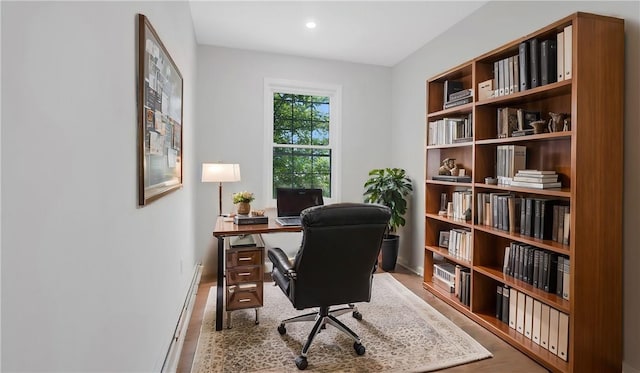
(389, 250)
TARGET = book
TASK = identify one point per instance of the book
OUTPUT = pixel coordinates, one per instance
(543, 179)
(563, 336)
(567, 228)
(568, 50)
(459, 102)
(566, 278)
(560, 56)
(552, 274)
(560, 275)
(523, 59)
(496, 75)
(526, 184)
(544, 326)
(457, 179)
(548, 61)
(460, 94)
(526, 172)
(505, 304)
(537, 256)
(534, 66)
(513, 307)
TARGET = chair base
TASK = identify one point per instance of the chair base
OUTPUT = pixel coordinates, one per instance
(322, 317)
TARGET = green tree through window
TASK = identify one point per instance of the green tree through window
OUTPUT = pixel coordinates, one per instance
(301, 151)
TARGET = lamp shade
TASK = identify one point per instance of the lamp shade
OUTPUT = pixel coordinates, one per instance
(220, 172)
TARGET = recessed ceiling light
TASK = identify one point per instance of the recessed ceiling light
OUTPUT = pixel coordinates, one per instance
(310, 24)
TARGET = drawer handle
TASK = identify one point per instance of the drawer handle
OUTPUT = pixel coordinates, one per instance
(244, 274)
(245, 258)
(244, 300)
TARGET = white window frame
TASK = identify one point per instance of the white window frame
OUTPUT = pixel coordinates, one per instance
(334, 92)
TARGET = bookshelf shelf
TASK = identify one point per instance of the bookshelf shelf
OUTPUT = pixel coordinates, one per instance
(445, 253)
(545, 91)
(462, 223)
(578, 156)
(550, 299)
(458, 145)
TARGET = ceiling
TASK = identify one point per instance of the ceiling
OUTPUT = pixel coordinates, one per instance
(370, 32)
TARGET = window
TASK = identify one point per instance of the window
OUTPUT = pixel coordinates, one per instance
(302, 124)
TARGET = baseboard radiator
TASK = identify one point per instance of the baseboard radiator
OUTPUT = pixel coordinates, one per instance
(175, 347)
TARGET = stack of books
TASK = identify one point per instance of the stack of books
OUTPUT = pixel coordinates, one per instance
(455, 95)
(537, 179)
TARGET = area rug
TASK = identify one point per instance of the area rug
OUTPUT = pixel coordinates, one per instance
(400, 331)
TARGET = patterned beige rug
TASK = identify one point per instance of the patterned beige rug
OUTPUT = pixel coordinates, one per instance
(400, 331)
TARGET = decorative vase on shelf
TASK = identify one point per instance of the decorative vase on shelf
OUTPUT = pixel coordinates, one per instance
(244, 208)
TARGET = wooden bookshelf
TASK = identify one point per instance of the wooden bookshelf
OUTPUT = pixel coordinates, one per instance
(588, 159)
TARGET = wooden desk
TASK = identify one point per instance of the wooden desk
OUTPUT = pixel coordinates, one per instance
(228, 229)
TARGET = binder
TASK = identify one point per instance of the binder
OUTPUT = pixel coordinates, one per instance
(560, 56)
(501, 77)
(568, 45)
(534, 66)
(523, 59)
(554, 316)
(513, 306)
(548, 61)
(520, 313)
(511, 78)
(499, 302)
(528, 316)
(505, 304)
(535, 327)
(496, 76)
(544, 326)
(516, 73)
(563, 336)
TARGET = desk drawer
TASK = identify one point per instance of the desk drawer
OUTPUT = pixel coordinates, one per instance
(244, 274)
(244, 296)
(237, 258)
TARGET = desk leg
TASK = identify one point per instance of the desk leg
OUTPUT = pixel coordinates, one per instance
(220, 284)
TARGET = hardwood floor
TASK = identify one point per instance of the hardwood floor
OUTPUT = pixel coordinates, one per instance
(505, 358)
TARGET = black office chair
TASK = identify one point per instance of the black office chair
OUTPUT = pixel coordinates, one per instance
(334, 266)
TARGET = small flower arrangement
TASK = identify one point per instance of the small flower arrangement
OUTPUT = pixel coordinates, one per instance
(243, 197)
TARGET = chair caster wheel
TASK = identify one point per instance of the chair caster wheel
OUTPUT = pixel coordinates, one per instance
(359, 348)
(301, 362)
(357, 315)
(281, 329)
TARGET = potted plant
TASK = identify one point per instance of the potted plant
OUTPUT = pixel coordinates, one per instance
(243, 200)
(389, 187)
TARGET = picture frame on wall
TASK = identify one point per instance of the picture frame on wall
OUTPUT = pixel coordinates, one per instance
(160, 108)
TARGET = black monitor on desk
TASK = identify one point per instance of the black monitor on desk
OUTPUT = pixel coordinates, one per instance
(291, 201)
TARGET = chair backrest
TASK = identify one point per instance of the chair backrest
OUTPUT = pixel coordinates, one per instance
(340, 246)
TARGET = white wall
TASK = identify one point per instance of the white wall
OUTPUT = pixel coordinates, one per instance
(90, 282)
(230, 113)
(490, 27)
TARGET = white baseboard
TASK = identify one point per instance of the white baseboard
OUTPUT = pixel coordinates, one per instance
(175, 347)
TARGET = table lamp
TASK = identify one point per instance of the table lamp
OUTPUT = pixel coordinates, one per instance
(220, 173)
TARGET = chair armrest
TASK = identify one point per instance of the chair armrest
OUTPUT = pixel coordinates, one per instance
(281, 261)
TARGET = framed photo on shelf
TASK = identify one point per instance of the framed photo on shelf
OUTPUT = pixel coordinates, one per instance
(159, 92)
(444, 239)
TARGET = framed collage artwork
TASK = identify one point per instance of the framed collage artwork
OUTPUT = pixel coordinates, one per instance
(160, 88)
